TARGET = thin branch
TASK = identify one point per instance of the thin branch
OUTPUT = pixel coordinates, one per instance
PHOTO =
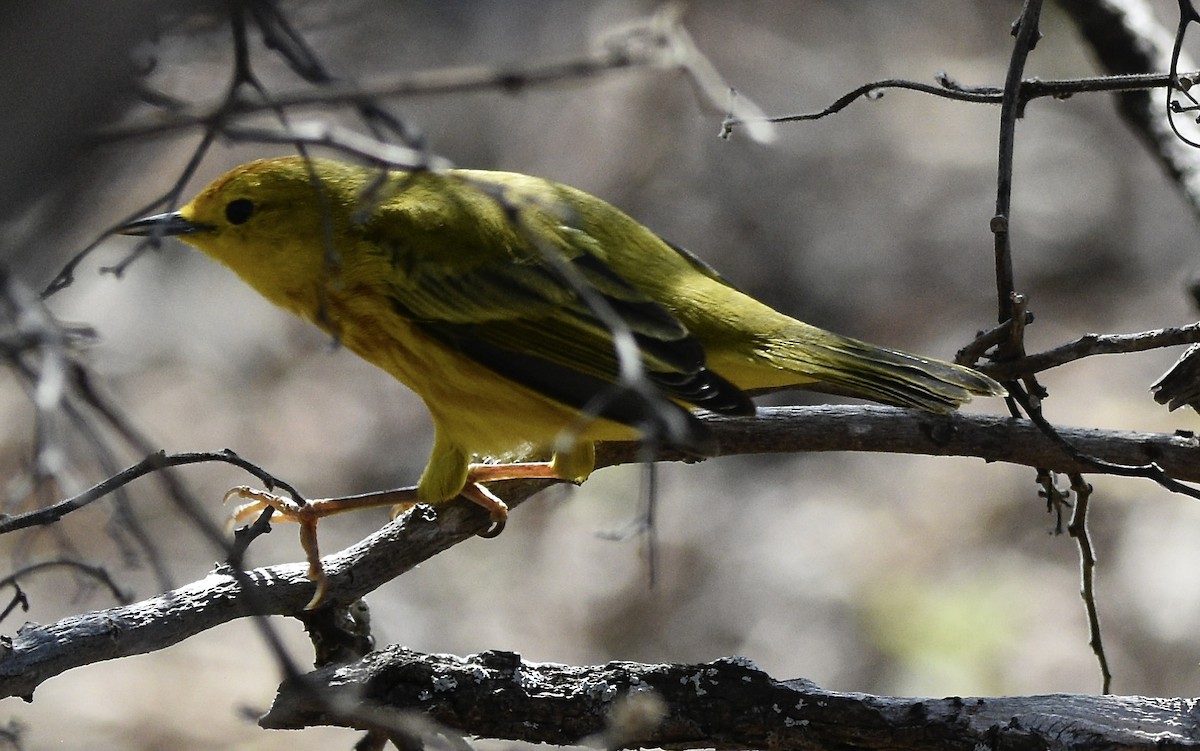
(1087, 574)
(190, 509)
(321, 133)
(1150, 470)
(96, 573)
(1090, 345)
(170, 198)
(1011, 107)
(153, 463)
(1057, 498)
(947, 88)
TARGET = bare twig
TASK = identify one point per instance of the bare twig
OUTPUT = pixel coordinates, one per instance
(321, 133)
(1090, 345)
(1087, 461)
(1057, 499)
(152, 463)
(95, 573)
(1027, 33)
(948, 88)
(1078, 529)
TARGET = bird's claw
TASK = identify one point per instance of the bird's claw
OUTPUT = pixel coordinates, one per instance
(305, 514)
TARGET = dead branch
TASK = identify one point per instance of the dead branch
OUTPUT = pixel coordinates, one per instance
(728, 703)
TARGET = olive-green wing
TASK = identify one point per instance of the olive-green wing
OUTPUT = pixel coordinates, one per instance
(541, 317)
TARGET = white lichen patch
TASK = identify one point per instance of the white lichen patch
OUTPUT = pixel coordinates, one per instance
(444, 683)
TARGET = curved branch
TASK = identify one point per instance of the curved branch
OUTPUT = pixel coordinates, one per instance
(153, 463)
(728, 703)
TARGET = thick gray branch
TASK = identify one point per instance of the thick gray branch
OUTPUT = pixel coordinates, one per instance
(728, 703)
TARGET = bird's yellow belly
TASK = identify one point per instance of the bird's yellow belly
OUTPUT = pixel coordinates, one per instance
(481, 412)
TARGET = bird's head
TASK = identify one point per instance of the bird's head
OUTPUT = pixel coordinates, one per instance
(275, 222)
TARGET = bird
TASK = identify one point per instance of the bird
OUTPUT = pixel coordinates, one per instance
(533, 319)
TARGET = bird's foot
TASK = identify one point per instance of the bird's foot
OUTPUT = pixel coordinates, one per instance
(254, 501)
(307, 514)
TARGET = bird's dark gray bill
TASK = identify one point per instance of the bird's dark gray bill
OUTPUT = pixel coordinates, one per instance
(162, 225)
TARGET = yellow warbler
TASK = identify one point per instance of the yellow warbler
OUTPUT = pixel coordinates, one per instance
(521, 311)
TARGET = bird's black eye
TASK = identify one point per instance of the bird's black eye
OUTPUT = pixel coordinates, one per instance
(239, 210)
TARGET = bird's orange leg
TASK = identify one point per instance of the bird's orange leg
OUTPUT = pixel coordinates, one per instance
(478, 473)
(308, 514)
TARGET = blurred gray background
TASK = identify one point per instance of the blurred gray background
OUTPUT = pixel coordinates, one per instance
(882, 574)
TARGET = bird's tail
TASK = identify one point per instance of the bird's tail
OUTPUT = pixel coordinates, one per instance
(822, 361)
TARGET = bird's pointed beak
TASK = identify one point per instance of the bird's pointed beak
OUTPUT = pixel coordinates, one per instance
(163, 225)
